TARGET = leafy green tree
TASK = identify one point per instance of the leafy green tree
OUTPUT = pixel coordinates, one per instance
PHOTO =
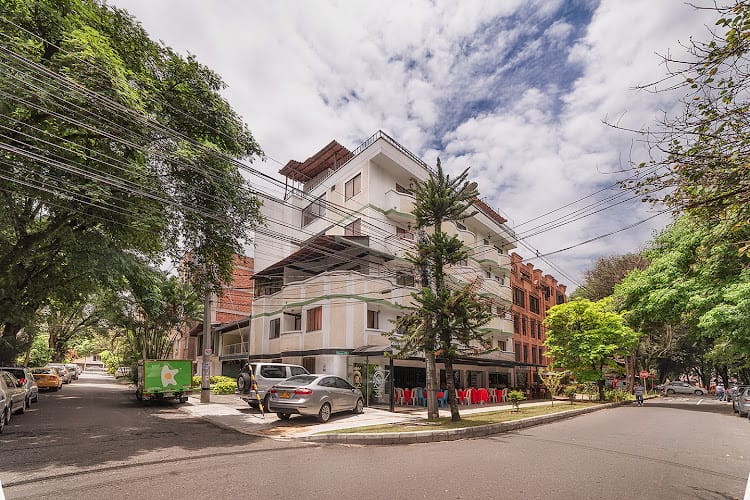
(701, 154)
(150, 317)
(39, 354)
(690, 298)
(553, 380)
(448, 315)
(111, 145)
(587, 337)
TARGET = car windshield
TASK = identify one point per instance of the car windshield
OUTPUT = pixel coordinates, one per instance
(48, 371)
(299, 380)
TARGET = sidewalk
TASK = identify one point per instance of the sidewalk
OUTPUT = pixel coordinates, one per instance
(232, 413)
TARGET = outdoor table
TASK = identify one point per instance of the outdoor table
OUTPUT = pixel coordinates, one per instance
(479, 396)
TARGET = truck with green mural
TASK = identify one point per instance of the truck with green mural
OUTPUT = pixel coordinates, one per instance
(164, 379)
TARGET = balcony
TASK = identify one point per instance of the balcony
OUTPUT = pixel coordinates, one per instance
(233, 349)
(398, 206)
(485, 254)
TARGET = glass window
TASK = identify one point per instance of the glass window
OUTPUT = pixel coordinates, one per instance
(534, 304)
(354, 228)
(372, 319)
(272, 371)
(523, 325)
(404, 234)
(519, 297)
(275, 329)
(296, 370)
(405, 280)
(343, 384)
(327, 382)
(314, 319)
(353, 186)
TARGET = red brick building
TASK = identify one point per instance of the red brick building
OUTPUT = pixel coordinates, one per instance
(533, 294)
(233, 306)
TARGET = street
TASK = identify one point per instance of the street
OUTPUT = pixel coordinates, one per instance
(92, 440)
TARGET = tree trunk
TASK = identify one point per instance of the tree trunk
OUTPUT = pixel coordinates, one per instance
(432, 411)
(451, 388)
(9, 344)
(600, 384)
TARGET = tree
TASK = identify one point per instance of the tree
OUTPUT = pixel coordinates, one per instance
(111, 145)
(447, 315)
(587, 337)
(600, 281)
(700, 157)
(691, 299)
(151, 316)
(553, 380)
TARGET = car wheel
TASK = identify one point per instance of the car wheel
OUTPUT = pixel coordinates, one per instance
(183, 399)
(53, 389)
(266, 402)
(22, 410)
(9, 414)
(28, 402)
(244, 384)
(138, 395)
(698, 393)
(324, 415)
(36, 397)
(670, 391)
(283, 416)
(2, 421)
(359, 407)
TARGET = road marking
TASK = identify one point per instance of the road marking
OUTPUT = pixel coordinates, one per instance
(2, 496)
(747, 489)
(699, 402)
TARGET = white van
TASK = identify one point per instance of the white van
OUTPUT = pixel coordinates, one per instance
(266, 375)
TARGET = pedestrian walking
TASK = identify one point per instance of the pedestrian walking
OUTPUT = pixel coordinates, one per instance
(638, 390)
(720, 391)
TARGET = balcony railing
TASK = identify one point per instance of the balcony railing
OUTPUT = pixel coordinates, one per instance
(239, 348)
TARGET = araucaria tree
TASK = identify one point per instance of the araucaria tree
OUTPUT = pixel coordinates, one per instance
(587, 337)
(111, 145)
(448, 314)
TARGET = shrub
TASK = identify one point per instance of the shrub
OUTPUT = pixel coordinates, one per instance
(215, 379)
(225, 386)
(616, 395)
(570, 392)
(515, 398)
(196, 380)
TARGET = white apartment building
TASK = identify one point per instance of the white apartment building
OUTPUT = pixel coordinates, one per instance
(331, 275)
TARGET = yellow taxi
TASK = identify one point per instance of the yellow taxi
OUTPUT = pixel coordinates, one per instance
(47, 378)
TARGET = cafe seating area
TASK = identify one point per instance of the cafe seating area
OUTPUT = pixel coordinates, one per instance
(417, 396)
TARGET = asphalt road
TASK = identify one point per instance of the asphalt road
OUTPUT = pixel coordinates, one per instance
(93, 441)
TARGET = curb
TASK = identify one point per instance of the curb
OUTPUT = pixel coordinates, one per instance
(389, 438)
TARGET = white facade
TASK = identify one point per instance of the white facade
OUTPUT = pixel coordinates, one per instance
(331, 277)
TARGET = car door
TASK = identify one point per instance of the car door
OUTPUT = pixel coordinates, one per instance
(17, 394)
(346, 394)
(328, 392)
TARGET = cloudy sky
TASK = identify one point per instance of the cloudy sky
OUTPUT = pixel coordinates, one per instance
(517, 90)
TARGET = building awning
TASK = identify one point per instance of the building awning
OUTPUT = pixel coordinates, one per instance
(332, 156)
(372, 350)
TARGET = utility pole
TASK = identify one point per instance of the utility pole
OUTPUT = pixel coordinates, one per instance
(207, 352)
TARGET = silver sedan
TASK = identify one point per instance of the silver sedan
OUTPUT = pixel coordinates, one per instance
(318, 395)
(678, 387)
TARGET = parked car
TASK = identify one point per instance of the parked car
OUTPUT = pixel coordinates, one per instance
(47, 378)
(64, 373)
(13, 396)
(742, 402)
(733, 394)
(26, 379)
(679, 387)
(73, 369)
(320, 395)
(266, 376)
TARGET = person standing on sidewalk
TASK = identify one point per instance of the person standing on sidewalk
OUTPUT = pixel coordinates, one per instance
(720, 391)
(638, 390)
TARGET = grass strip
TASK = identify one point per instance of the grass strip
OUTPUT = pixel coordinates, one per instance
(469, 420)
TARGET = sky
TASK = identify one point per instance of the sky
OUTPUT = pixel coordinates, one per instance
(523, 93)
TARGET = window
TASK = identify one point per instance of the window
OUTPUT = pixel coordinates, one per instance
(519, 297)
(297, 322)
(516, 323)
(313, 211)
(353, 229)
(372, 319)
(314, 319)
(463, 262)
(560, 298)
(460, 225)
(486, 241)
(523, 325)
(309, 364)
(539, 330)
(525, 353)
(404, 234)
(296, 370)
(353, 186)
(533, 354)
(534, 303)
(501, 345)
(405, 280)
(533, 328)
(488, 274)
(518, 351)
(275, 329)
(269, 371)
(402, 189)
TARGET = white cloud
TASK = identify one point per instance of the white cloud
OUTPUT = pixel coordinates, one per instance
(303, 73)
